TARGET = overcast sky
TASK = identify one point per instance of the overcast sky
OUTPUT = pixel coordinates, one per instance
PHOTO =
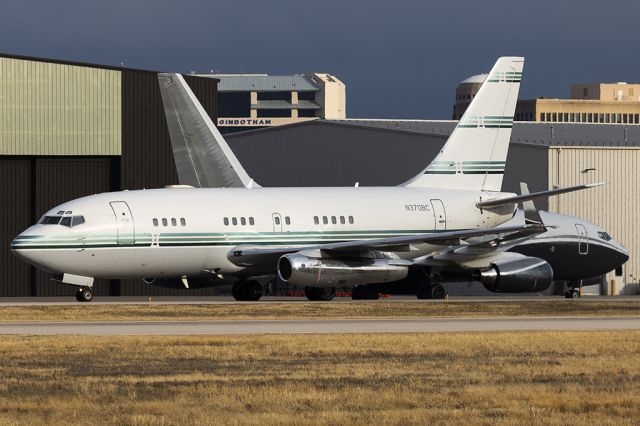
(399, 59)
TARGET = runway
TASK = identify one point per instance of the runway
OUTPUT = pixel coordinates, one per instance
(431, 325)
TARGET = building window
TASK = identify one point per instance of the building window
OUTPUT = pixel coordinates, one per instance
(243, 221)
(306, 113)
(618, 118)
(548, 116)
(316, 220)
(584, 117)
(585, 92)
(542, 116)
(287, 220)
(274, 112)
(155, 222)
(274, 96)
(636, 117)
(234, 221)
(306, 96)
(566, 117)
(164, 222)
(601, 118)
(183, 222)
(234, 104)
(606, 118)
(226, 221)
(590, 120)
(554, 117)
(624, 118)
(572, 117)
(251, 222)
(351, 220)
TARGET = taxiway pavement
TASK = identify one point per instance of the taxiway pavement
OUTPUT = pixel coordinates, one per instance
(426, 325)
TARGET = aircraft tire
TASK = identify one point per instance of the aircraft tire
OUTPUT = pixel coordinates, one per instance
(84, 294)
(247, 291)
(320, 294)
(423, 292)
(438, 292)
(575, 294)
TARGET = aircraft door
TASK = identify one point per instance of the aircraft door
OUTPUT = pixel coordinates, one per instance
(583, 239)
(124, 221)
(439, 215)
(277, 222)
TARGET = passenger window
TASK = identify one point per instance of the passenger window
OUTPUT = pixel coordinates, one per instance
(243, 221)
(325, 220)
(77, 220)
(316, 220)
(287, 220)
(351, 220)
(234, 221)
(276, 220)
(174, 222)
(66, 221)
(226, 221)
(183, 222)
(342, 220)
(164, 221)
(155, 222)
(333, 220)
(251, 222)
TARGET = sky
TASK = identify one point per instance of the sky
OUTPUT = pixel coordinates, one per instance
(398, 59)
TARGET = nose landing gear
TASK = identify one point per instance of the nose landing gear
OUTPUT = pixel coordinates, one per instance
(84, 294)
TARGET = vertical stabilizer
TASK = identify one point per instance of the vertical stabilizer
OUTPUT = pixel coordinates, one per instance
(475, 155)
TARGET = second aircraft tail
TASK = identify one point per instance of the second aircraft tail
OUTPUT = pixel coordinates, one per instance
(475, 155)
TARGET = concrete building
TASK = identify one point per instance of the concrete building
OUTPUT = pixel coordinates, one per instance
(608, 103)
(250, 101)
(70, 129)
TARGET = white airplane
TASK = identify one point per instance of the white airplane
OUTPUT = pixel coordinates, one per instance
(319, 238)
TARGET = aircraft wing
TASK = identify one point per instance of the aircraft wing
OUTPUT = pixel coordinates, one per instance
(486, 239)
(203, 158)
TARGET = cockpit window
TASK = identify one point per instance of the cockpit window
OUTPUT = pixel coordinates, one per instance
(69, 221)
(50, 220)
(604, 235)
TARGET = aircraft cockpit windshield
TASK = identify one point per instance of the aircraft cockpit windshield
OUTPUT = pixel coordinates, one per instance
(62, 218)
(605, 236)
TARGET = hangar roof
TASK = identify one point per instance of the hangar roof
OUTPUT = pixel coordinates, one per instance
(529, 133)
(263, 83)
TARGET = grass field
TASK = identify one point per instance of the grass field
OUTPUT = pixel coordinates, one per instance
(483, 378)
(299, 310)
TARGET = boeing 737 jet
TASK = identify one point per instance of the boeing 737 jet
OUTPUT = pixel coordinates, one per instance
(441, 220)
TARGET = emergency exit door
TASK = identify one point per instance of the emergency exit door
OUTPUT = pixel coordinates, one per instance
(124, 222)
(439, 215)
(583, 239)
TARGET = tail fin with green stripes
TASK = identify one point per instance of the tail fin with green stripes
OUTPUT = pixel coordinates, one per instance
(475, 155)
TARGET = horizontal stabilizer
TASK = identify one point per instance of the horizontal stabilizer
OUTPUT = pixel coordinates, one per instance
(526, 197)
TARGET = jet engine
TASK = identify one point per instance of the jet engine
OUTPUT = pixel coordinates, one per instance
(298, 269)
(519, 274)
(195, 282)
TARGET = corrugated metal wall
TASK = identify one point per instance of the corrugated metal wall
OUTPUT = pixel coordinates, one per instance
(55, 109)
(15, 196)
(321, 153)
(614, 206)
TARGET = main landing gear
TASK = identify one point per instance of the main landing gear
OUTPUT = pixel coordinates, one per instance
(320, 293)
(247, 291)
(574, 291)
(431, 291)
(84, 294)
(365, 292)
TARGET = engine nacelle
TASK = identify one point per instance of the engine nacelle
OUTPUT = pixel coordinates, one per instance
(301, 270)
(517, 275)
(195, 282)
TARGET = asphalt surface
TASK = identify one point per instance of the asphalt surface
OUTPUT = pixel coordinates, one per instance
(221, 300)
(435, 325)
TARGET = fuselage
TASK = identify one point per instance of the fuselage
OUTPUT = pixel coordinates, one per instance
(189, 232)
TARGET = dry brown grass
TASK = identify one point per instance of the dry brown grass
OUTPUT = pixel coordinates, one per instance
(483, 378)
(299, 310)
